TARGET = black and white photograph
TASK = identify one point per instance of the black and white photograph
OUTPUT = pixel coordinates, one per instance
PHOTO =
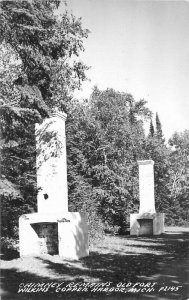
(94, 131)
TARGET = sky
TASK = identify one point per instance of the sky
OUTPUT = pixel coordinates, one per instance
(142, 48)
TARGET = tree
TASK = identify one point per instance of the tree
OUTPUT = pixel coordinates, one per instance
(46, 48)
(179, 175)
(103, 145)
(158, 151)
(81, 134)
(159, 132)
(151, 131)
(10, 70)
(113, 141)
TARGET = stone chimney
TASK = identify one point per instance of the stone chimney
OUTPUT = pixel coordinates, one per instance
(51, 165)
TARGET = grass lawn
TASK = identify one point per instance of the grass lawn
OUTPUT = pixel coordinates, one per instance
(119, 267)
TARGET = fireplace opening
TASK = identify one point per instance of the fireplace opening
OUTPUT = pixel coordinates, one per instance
(47, 233)
(146, 226)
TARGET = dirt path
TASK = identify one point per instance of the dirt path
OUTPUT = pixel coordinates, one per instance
(118, 267)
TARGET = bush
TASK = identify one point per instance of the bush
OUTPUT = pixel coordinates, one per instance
(96, 228)
(112, 229)
(9, 243)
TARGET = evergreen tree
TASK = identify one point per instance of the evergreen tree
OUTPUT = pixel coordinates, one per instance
(159, 132)
(48, 48)
(159, 153)
(151, 131)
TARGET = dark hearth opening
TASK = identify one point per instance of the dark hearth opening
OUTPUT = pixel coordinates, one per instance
(146, 226)
(47, 233)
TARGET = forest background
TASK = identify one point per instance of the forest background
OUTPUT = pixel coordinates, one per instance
(39, 71)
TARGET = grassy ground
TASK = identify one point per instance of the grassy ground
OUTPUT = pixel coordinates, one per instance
(129, 267)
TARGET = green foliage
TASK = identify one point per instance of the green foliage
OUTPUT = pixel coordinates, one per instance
(159, 132)
(171, 175)
(104, 139)
(179, 178)
(151, 131)
(10, 70)
(80, 190)
(39, 69)
(159, 153)
(8, 243)
(18, 177)
(46, 46)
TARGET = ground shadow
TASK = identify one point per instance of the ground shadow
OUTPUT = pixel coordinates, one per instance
(162, 260)
(9, 254)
